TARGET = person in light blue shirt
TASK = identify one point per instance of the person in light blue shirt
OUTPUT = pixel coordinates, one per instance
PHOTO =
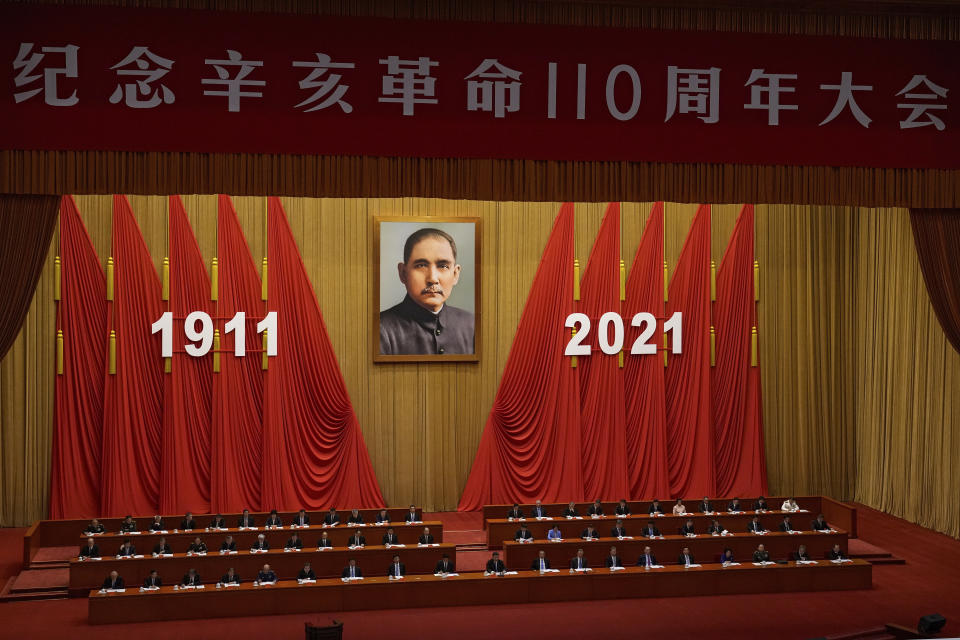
(555, 533)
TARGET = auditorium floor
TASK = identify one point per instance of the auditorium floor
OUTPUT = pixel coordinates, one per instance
(928, 583)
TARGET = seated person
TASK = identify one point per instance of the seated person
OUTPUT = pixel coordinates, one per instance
(228, 544)
(306, 573)
(715, 527)
(801, 553)
(246, 520)
(651, 530)
(727, 556)
(538, 510)
(90, 550)
(126, 549)
(113, 581)
(522, 533)
(755, 526)
(188, 523)
(515, 512)
(820, 524)
(427, 538)
(266, 574)
(412, 515)
(357, 540)
(230, 577)
(613, 560)
(596, 509)
(647, 559)
(390, 537)
(260, 544)
(324, 541)
(685, 558)
(790, 504)
(836, 553)
(734, 506)
(785, 525)
(301, 519)
(688, 529)
(152, 580)
(578, 561)
(383, 517)
(655, 508)
(273, 520)
(495, 564)
(397, 569)
(571, 511)
(94, 527)
(555, 533)
(191, 579)
(760, 504)
(618, 531)
(705, 506)
(761, 554)
(355, 517)
(294, 542)
(197, 546)
(332, 519)
(444, 565)
(590, 533)
(622, 508)
(217, 522)
(157, 524)
(540, 563)
(351, 570)
(679, 509)
(128, 525)
(162, 548)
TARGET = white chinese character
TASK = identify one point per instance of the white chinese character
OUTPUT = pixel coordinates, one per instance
(698, 91)
(327, 85)
(234, 85)
(26, 65)
(772, 89)
(921, 109)
(135, 94)
(408, 86)
(845, 97)
(497, 88)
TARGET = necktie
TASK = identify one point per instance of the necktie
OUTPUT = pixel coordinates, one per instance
(648, 560)
(351, 572)
(541, 564)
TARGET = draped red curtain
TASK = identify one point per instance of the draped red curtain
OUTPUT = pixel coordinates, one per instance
(78, 391)
(133, 397)
(237, 429)
(738, 419)
(188, 388)
(602, 421)
(690, 437)
(936, 235)
(313, 450)
(646, 419)
(530, 448)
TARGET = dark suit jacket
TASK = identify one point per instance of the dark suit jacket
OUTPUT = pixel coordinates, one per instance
(732, 507)
(587, 534)
(411, 517)
(107, 584)
(392, 571)
(642, 561)
(390, 538)
(355, 519)
(274, 521)
(577, 562)
(838, 555)
(356, 572)
(381, 518)
(197, 548)
(188, 524)
(306, 520)
(187, 580)
(618, 532)
(129, 551)
(162, 550)
(816, 525)
(324, 542)
(428, 539)
(535, 565)
(226, 579)
(267, 576)
(521, 534)
(685, 529)
(801, 556)
(306, 575)
(331, 518)
(407, 328)
(655, 509)
(357, 541)
(786, 527)
(88, 552)
(218, 523)
(646, 531)
(515, 513)
(761, 556)
(682, 560)
(95, 529)
(228, 546)
(157, 526)
(250, 522)
(705, 506)
(538, 512)
(594, 510)
(265, 545)
(449, 567)
(294, 544)
(718, 528)
(622, 510)
(127, 527)
(757, 505)
(614, 561)
(495, 566)
(755, 526)
(152, 582)
(570, 513)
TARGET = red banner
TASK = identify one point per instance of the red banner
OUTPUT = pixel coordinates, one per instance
(179, 80)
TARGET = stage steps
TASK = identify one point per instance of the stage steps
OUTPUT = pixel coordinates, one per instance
(36, 584)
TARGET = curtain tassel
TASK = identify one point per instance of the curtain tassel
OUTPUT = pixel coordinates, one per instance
(573, 359)
(620, 359)
(666, 347)
(754, 340)
(666, 282)
(713, 347)
(576, 279)
(113, 353)
(167, 365)
(264, 360)
(59, 352)
(56, 278)
(216, 349)
(623, 281)
(263, 281)
(756, 281)
(214, 279)
(713, 281)
(110, 279)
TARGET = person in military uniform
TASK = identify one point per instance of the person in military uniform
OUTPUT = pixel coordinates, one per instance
(423, 324)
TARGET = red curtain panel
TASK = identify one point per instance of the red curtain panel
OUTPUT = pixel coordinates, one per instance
(646, 412)
(530, 446)
(936, 235)
(314, 455)
(78, 391)
(188, 388)
(690, 438)
(132, 408)
(237, 429)
(738, 419)
(602, 421)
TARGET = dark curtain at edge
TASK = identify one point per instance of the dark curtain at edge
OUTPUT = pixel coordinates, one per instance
(530, 447)
(936, 235)
(78, 392)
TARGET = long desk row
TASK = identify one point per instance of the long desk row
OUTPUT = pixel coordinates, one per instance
(372, 560)
(109, 543)
(472, 589)
(705, 548)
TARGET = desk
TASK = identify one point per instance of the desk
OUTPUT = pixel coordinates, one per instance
(472, 589)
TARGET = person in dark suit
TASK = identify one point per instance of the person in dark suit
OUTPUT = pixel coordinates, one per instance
(651, 530)
(301, 519)
(688, 529)
(734, 505)
(294, 542)
(655, 508)
(785, 525)
(266, 574)
(191, 579)
(760, 504)
(412, 515)
(383, 517)
(246, 520)
(820, 524)
(197, 546)
(647, 559)
(522, 533)
(590, 533)
(427, 538)
(397, 569)
(332, 519)
(306, 573)
(188, 523)
(578, 561)
(715, 527)
(705, 506)
(324, 541)
(755, 526)
(538, 510)
(761, 554)
(836, 553)
(357, 540)
(727, 556)
(571, 511)
(152, 580)
(217, 522)
(261, 544)
(162, 548)
(127, 549)
(390, 537)
(351, 570)
(801, 553)
(228, 544)
(495, 564)
(685, 558)
(355, 517)
(622, 508)
(230, 577)
(596, 509)
(94, 527)
(613, 560)
(273, 520)
(128, 525)
(618, 531)
(515, 512)
(445, 565)
(113, 581)
(540, 563)
(91, 550)
(157, 524)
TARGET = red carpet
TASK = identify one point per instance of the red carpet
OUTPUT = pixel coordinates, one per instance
(928, 583)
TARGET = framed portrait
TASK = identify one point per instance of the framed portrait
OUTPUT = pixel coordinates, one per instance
(427, 293)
